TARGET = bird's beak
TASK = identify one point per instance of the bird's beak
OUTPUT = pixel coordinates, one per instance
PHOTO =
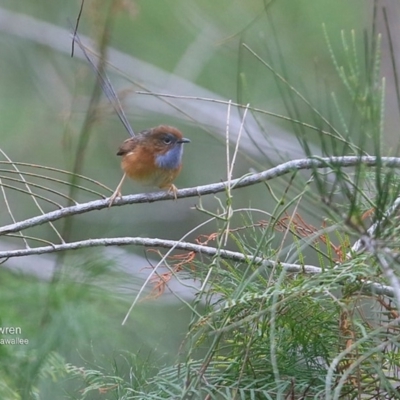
(183, 140)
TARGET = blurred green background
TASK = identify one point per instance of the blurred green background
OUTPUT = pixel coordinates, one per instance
(190, 48)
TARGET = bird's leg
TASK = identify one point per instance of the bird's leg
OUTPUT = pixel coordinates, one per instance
(170, 188)
(117, 192)
(173, 189)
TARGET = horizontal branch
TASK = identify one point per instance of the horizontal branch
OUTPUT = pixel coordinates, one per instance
(248, 180)
(148, 242)
(370, 287)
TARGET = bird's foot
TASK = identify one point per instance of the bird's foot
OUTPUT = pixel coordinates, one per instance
(173, 189)
(116, 194)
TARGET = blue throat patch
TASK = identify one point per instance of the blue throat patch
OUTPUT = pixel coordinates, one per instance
(171, 159)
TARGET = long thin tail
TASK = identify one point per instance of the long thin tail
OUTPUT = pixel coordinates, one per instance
(106, 86)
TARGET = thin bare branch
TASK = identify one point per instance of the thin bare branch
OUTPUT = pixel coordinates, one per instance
(248, 180)
(149, 242)
(186, 246)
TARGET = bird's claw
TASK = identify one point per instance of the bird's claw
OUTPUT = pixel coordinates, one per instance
(116, 194)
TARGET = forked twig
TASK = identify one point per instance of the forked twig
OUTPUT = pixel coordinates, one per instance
(32, 195)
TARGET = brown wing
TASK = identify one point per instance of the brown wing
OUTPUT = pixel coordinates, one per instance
(130, 144)
(127, 147)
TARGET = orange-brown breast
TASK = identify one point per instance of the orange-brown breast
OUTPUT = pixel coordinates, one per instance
(138, 163)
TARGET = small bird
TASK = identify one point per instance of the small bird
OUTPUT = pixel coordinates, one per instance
(153, 158)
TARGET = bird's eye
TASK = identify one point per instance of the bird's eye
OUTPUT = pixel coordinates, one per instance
(167, 140)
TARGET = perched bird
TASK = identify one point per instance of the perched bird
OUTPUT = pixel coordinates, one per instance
(152, 158)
